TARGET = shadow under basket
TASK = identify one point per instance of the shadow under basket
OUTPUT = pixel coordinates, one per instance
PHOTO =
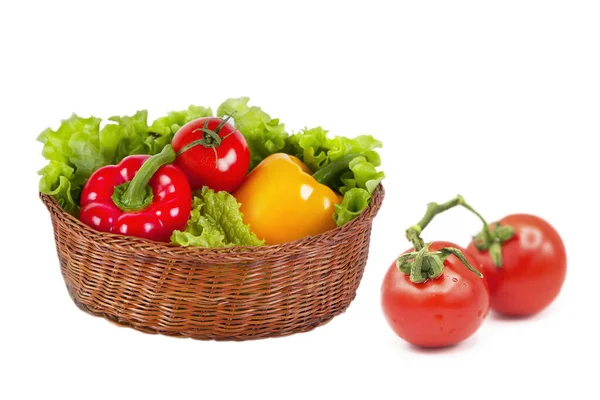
(235, 293)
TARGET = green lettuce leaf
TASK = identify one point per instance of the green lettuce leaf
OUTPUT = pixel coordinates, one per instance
(354, 202)
(170, 124)
(127, 136)
(362, 174)
(215, 221)
(263, 134)
(56, 181)
(73, 152)
(317, 150)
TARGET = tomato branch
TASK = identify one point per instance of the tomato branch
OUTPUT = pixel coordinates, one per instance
(422, 264)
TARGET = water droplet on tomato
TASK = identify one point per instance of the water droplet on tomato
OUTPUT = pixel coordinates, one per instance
(224, 163)
(530, 238)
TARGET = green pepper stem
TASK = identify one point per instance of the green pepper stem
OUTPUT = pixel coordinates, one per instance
(136, 193)
(329, 172)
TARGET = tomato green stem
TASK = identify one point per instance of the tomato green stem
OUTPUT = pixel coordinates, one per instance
(422, 264)
(486, 228)
(484, 240)
(433, 209)
(136, 194)
(492, 241)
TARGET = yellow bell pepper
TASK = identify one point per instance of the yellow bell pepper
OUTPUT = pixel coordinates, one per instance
(282, 202)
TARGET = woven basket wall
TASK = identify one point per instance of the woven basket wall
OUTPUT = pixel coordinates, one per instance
(221, 294)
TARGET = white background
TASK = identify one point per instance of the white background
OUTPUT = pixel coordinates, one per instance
(498, 101)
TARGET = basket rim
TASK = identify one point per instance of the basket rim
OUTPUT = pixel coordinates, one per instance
(173, 249)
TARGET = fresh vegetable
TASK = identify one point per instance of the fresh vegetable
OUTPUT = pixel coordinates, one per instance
(79, 147)
(215, 221)
(440, 311)
(141, 196)
(432, 296)
(282, 202)
(213, 153)
(524, 262)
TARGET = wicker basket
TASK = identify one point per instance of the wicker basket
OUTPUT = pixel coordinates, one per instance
(236, 293)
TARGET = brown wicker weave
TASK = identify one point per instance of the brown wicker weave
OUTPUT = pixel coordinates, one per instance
(236, 293)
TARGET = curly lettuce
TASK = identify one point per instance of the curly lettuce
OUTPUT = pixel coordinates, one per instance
(354, 202)
(215, 221)
(168, 125)
(73, 152)
(317, 150)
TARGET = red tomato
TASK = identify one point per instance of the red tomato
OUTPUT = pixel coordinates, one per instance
(439, 312)
(534, 266)
(221, 164)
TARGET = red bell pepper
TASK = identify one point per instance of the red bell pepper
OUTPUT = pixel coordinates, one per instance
(142, 196)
